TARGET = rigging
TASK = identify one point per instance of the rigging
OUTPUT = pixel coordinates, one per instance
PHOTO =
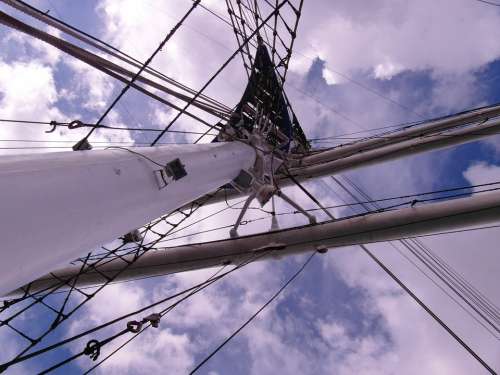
(264, 106)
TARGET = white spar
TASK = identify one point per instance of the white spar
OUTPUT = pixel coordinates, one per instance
(416, 145)
(376, 227)
(56, 207)
(431, 127)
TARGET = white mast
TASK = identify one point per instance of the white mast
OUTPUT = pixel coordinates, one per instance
(376, 227)
(70, 203)
(57, 206)
(90, 203)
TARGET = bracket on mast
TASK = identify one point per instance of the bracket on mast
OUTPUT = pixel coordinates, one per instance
(264, 120)
(173, 171)
(312, 219)
(234, 230)
(322, 249)
(259, 180)
(82, 145)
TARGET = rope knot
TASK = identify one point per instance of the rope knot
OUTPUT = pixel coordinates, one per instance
(93, 349)
(75, 124)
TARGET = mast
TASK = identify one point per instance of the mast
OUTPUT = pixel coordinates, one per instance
(111, 192)
(89, 198)
(72, 202)
(426, 129)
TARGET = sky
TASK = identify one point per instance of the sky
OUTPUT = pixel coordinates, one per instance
(356, 65)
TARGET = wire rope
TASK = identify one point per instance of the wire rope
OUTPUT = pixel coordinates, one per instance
(162, 313)
(489, 3)
(148, 61)
(473, 299)
(429, 311)
(249, 320)
(198, 287)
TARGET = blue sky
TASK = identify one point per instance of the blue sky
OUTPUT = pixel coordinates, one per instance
(343, 315)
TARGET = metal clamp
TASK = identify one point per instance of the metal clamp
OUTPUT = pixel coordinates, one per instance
(134, 326)
(154, 319)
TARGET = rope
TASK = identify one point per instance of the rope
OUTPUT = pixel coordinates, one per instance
(254, 256)
(215, 75)
(148, 61)
(274, 296)
(428, 310)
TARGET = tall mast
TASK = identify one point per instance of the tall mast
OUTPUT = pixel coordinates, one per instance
(112, 192)
(71, 202)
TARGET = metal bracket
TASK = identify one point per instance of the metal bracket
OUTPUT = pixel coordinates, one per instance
(312, 219)
(274, 219)
(234, 230)
(322, 249)
(82, 145)
(243, 181)
(154, 319)
(93, 349)
(173, 171)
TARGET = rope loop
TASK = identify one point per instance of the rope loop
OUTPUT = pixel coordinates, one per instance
(75, 124)
(134, 326)
(93, 349)
(54, 126)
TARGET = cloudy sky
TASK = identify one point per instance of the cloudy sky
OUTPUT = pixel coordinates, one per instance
(357, 65)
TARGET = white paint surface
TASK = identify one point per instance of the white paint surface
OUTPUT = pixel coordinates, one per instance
(55, 207)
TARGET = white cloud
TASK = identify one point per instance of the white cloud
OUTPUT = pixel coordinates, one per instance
(411, 332)
(155, 351)
(11, 345)
(329, 77)
(93, 87)
(447, 36)
(199, 36)
(482, 173)
(22, 85)
(386, 70)
(30, 49)
(28, 92)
